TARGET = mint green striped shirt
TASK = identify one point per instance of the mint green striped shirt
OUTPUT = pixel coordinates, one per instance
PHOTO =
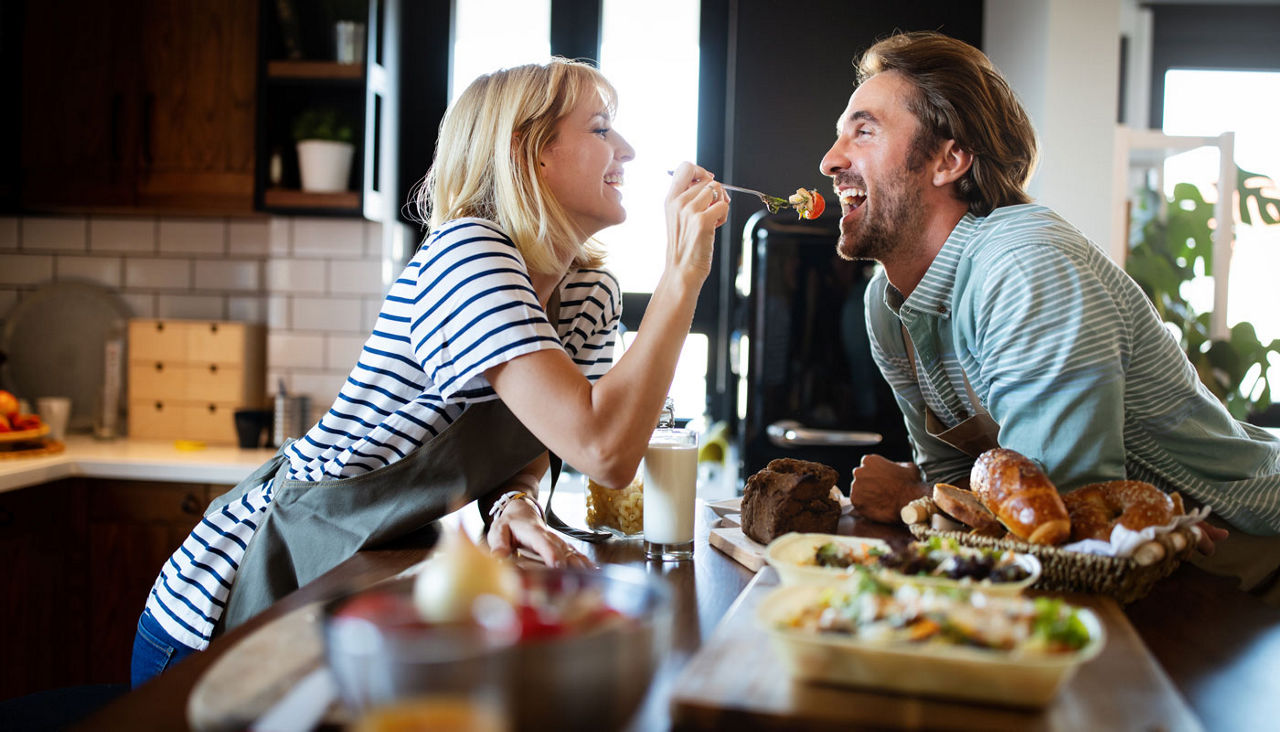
(1067, 354)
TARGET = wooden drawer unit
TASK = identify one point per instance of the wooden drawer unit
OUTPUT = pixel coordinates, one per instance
(187, 377)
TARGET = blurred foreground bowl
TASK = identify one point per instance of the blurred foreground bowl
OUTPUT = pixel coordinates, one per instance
(593, 679)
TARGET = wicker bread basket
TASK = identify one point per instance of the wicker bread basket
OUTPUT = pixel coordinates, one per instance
(1124, 578)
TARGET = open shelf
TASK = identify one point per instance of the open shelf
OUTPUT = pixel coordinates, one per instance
(314, 70)
(290, 198)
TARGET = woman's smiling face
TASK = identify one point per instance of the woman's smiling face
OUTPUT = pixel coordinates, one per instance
(583, 167)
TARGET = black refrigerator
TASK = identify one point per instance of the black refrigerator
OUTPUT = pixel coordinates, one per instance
(812, 389)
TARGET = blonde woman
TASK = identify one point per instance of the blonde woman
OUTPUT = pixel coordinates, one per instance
(493, 346)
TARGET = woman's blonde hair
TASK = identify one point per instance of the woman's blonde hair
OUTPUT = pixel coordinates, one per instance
(487, 159)
(961, 96)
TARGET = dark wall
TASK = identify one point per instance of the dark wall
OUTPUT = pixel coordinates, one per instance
(791, 74)
(1211, 37)
(786, 78)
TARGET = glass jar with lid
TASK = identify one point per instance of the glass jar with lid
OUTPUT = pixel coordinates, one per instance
(621, 512)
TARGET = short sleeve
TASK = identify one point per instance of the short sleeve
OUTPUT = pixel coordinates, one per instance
(590, 311)
(474, 306)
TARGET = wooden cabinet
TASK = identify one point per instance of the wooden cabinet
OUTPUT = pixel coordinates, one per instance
(43, 588)
(133, 528)
(139, 105)
(80, 557)
(299, 73)
(187, 377)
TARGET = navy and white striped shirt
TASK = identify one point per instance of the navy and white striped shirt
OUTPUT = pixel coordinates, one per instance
(1069, 357)
(462, 305)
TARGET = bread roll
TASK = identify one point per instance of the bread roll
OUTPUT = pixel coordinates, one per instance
(965, 507)
(1020, 495)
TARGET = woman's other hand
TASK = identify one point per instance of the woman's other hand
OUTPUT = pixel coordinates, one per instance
(696, 206)
(881, 487)
(519, 526)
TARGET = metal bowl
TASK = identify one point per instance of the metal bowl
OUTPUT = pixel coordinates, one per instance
(590, 680)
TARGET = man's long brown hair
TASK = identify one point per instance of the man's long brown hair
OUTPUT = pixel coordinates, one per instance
(961, 96)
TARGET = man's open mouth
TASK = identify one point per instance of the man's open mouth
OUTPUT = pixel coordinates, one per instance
(851, 199)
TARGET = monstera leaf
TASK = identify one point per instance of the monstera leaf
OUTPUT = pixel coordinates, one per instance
(1166, 254)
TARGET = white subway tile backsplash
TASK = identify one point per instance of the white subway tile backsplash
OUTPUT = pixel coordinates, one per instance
(119, 234)
(193, 236)
(296, 275)
(371, 306)
(228, 274)
(8, 233)
(327, 238)
(100, 270)
(141, 304)
(199, 307)
(55, 234)
(278, 312)
(342, 352)
(25, 269)
(168, 274)
(280, 236)
(327, 314)
(295, 350)
(372, 239)
(247, 308)
(321, 386)
(362, 277)
(249, 237)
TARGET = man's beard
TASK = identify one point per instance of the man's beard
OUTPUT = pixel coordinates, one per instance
(891, 229)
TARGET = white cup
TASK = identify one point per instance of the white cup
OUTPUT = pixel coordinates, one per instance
(670, 487)
(55, 411)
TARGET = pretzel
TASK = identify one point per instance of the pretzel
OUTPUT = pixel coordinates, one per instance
(1095, 509)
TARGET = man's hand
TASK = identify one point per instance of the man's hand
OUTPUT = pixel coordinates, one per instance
(520, 527)
(1209, 534)
(882, 487)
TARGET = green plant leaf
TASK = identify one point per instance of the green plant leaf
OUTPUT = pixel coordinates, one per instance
(1250, 187)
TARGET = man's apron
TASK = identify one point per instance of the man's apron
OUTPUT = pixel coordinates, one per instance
(312, 526)
(975, 434)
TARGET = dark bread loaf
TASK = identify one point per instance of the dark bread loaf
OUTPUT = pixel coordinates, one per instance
(790, 495)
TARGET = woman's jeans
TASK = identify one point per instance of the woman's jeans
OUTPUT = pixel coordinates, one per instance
(154, 650)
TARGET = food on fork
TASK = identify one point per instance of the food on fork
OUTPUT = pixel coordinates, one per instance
(1021, 496)
(1097, 508)
(808, 203)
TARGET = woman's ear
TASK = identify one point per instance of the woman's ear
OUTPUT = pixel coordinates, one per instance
(952, 163)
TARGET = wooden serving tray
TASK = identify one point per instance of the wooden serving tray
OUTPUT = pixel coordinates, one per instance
(736, 679)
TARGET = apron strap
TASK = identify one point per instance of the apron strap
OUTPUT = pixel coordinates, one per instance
(975, 434)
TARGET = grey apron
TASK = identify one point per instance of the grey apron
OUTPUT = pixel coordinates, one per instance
(975, 434)
(312, 526)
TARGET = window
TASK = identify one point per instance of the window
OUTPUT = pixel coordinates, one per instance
(494, 34)
(658, 114)
(1209, 102)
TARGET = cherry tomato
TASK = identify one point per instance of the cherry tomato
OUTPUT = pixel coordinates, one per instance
(816, 207)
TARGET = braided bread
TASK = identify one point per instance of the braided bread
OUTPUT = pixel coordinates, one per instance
(1021, 496)
(1095, 509)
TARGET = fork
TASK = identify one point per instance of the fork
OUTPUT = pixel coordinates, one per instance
(773, 203)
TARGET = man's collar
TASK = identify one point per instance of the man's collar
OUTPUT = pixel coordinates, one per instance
(933, 294)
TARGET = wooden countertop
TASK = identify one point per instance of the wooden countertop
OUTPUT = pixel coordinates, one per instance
(1219, 646)
(131, 459)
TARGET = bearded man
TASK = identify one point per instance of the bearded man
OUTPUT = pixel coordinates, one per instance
(998, 324)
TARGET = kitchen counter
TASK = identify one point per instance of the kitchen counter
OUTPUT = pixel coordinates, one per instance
(128, 459)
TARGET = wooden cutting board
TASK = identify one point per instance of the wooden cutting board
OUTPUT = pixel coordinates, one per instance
(736, 679)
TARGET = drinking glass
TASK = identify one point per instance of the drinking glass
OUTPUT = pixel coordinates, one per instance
(670, 483)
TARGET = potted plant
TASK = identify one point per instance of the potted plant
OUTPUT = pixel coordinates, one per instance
(324, 149)
(1167, 253)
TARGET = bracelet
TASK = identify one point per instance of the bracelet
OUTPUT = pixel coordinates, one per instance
(500, 504)
(529, 481)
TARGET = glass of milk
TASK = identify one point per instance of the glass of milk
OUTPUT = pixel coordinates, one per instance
(670, 480)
